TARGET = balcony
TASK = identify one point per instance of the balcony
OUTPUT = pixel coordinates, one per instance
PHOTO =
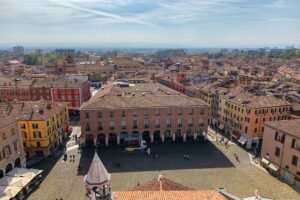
(123, 127)
(201, 124)
(146, 126)
(157, 126)
(134, 127)
(100, 128)
(112, 128)
(169, 125)
(179, 125)
(190, 125)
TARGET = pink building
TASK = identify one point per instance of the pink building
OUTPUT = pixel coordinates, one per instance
(281, 149)
(143, 110)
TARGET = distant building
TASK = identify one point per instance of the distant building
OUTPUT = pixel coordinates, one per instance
(65, 52)
(142, 110)
(18, 51)
(281, 150)
(39, 52)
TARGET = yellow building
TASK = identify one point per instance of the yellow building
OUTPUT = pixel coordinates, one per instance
(43, 127)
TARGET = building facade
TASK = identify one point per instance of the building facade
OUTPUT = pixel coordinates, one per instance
(142, 110)
(43, 127)
(281, 150)
(12, 153)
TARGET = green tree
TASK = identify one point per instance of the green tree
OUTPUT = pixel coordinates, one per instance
(30, 59)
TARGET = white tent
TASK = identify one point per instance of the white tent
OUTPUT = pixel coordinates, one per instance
(7, 192)
(97, 174)
(14, 181)
(23, 172)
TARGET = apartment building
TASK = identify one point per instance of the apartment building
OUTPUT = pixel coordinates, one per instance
(142, 110)
(12, 153)
(242, 115)
(43, 126)
(281, 150)
(72, 92)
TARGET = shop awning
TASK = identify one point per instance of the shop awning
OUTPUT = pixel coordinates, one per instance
(221, 126)
(273, 167)
(242, 140)
(24, 172)
(265, 161)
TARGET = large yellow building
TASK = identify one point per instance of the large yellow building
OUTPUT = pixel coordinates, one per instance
(43, 127)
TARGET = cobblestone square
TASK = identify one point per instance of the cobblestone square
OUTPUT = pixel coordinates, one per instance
(211, 165)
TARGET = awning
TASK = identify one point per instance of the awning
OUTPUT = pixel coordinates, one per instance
(273, 167)
(235, 136)
(243, 140)
(221, 126)
(265, 161)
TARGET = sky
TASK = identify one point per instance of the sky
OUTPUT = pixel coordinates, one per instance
(150, 23)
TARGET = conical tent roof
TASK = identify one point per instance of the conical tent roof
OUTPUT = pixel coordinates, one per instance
(97, 174)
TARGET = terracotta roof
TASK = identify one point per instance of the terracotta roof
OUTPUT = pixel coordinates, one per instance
(169, 195)
(166, 184)
(139, 95)
(290, 127)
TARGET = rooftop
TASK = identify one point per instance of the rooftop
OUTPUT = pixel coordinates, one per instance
(290, 127)
(114, 96)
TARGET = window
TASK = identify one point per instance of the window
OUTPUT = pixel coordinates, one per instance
(146, 112)
(38, 144)
(201, 111)
(277, 152)
(146, 123)
(24, 134)
(111, 125)
(293, 143)
(262, 129)
(23, 126)
(179, 122)
(87, 126)
(294, 160)
(157, 123)
(123, 114)
(111, 114)
(123, 124)
(100, 126)
(99, 114)
(157, 112)
(180, 111)
(15, 144)
(276, 136)
(134, 123)
(246, 129)
(37, 134)
(6, 151)
(191, 111)
(255, 130)
(256, 121)
(35, 126)
(282, 139)
(87, 115)
(134, 113)
(190, 122)
(169, 112)
(168, 122)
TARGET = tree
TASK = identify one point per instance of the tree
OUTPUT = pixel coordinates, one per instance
(30, 59)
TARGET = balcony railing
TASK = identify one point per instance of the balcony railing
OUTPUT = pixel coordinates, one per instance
(157, 126)
(169, 125)
(146, 126)
(179, 125)
(135, 127)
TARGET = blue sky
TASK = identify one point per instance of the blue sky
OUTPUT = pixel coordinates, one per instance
(150, 23)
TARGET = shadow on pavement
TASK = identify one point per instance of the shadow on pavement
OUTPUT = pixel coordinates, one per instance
(169, 157)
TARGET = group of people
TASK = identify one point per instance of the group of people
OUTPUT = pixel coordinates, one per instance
(222, 140)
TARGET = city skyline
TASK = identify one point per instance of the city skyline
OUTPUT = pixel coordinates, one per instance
(153, 24)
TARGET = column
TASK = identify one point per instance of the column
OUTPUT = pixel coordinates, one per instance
(95, 142)
(163, 138)
(118, 139)
(173, 137)
(106, 140)
(184, 137)
(205, 135)
(151, 138)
